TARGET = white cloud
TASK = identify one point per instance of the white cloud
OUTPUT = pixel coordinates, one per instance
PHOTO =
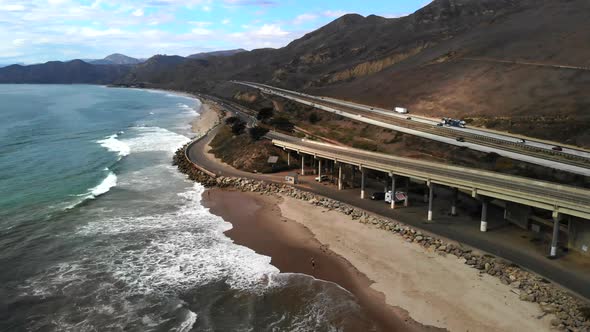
(334, 13)
(270, 30)
(303, 18)
(226, 21)
(19, 42)
(138, 12)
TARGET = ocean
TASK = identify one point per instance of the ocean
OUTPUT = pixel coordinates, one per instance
(99, 232)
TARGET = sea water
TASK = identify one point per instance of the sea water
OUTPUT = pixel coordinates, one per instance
(99, 232)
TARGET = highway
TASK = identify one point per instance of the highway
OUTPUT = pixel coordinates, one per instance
(501, 241)
(532, 151)
(546, 195)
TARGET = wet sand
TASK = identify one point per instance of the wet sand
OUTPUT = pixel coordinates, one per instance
(258, 224)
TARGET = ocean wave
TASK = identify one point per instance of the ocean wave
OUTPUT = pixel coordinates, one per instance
(154, 139)
(102, 188)
(111, 143)
(187, 109)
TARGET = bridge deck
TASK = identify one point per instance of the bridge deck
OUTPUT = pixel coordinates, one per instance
(551, 196)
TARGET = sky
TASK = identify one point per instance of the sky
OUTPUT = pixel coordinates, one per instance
(37, 31)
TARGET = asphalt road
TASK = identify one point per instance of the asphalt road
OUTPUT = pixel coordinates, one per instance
(502, 240)
(501, 144)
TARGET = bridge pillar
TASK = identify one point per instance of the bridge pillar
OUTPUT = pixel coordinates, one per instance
(320, 170)
(363, 176)
(430, 200)
(302, 164)
(407, 201)
(339, 176)
(555, 238)
(484, 215)
(392, 191)
(288, 159)
(454, 202)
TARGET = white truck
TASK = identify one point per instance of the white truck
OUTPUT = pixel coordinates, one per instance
(400, 196)
(401, 110)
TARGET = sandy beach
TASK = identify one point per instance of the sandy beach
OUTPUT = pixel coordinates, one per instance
(402, 285)
(208, 117)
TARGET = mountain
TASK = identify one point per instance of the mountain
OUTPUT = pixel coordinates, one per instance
(76, 71)
(216, 53)
(518, 65)
(116, 59)
(2, 65)
(499, 63)
(159, 69)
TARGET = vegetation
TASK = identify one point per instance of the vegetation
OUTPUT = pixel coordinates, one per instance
(282, 123)
(265, 114)
(257, 133)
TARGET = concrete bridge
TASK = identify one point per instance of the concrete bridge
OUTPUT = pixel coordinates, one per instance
(561, 200)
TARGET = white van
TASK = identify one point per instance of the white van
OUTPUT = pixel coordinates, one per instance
(400, 196)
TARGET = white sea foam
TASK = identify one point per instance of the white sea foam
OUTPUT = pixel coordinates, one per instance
(109, 182)
(188, 110)
(111, 143)
(154, 139)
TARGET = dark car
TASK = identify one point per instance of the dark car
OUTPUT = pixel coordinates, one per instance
(460, 139)
(378, 196)
(439, 124)
(557, 148)
(409, 118)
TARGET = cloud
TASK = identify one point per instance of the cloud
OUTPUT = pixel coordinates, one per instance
(304, 18)
(138, 12)
(334, 13)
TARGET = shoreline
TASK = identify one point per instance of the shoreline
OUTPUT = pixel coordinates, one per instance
(453, 295)
(260, 226)
(400, 284)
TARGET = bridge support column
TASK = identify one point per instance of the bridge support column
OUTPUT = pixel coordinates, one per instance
(454, 202)
(363, 175)
(320, 170)
(407, 201)
(288, 158)
(484, 215)
(339, 176)
(392, 191)
(555, 238)
(302, 164)
(430, 200)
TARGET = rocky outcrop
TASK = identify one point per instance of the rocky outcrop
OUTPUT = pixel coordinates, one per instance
(571, 314)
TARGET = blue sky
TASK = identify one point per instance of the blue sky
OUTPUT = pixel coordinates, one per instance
(36, 31)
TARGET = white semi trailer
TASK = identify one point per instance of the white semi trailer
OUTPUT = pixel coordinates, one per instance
(401, 110)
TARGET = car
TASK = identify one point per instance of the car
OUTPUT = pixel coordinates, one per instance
(523, 141)
(321, 178)
(439, 124)
(460, 139)
(557, 148)
(409, 118)
(378, 196)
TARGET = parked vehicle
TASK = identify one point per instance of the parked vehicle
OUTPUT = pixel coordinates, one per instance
(400, 196)
(460, 139)
(557, 148)
(439, 124)
(401, 110)
(523, 141)
(322, 178)
(378, 196)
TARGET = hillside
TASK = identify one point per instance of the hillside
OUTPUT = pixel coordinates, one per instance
(516, 65)
(116, 59)
(444, 60)
(76, 71)
(206, 55)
